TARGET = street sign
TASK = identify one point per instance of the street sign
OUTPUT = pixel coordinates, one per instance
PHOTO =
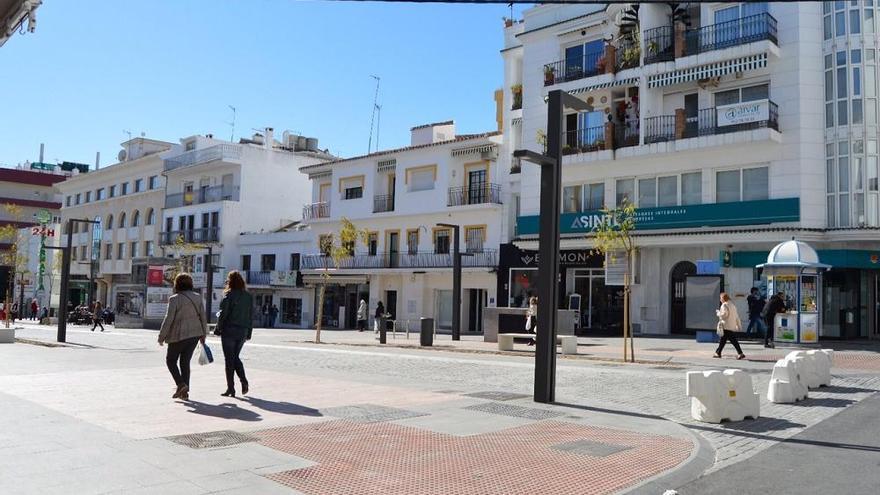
(43, 231)
(43, 216)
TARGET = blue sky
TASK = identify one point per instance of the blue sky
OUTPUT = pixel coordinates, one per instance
(170, 68)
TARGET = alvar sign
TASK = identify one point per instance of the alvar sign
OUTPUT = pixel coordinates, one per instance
(759, 212)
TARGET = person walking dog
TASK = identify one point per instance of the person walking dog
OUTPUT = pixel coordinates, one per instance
(182, 329)
(235, 326)
(729, 323)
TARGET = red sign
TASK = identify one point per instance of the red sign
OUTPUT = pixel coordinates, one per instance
(43, 231)
(155, 275)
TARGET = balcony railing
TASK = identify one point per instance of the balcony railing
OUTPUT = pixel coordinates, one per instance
(487, 193)
(383, 203)
(663, 127)
(224, 152)
(731, 33)
(208, 234)
(659, 45)
(660, 128)
(206, 195)
(627, 54)
(571, 69)
(316, 210)
(482, 258)
(258, 277)
(584, 140)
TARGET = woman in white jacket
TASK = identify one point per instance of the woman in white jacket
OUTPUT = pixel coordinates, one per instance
(728, 318)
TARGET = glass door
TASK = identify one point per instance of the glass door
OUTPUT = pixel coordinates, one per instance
(477, 187)
(393, 249)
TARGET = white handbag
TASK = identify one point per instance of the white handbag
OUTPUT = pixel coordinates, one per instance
(528, 323)
(719, 328)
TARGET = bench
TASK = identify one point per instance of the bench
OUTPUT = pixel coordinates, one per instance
(569, 342)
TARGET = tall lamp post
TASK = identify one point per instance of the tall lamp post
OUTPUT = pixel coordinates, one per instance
(456, 278)
(65, 277)
(548, 240)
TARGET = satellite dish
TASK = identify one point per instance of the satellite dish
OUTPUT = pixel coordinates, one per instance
(121, 156)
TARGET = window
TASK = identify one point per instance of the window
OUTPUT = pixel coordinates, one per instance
(839, 24)
(189, 145)
(67, 201)
(855, 24)
(153, 182)
(134, 249)
(857, 116)
(595, 196)
(571, 199)
(740, 95)
(667, 191)
(108, 251)
(78, 198)
(294, 262)
(748, 184)
(647, 193)
(842, 117)
(99, 194)
(625, 191)
(136, 218)
(151, 216)
(441, 241)
(474, 237)
(88, 196)
(108, 225)
(421, 178)
(727, 186)
(245, 262)
(267, 262)
(120, 251)
(756, 184)
(354, 192)
(138, 185)
(373, 243)
(83, 254)
(352, 187)
(112, 191)
(148, 248)
(325, 244)
(122, 220)
(123, 189)
(582, 59)
(692, 188)
(412, 241)
(73, 252)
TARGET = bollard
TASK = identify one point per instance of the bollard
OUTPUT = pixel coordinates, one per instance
(383, 330)
(426, 331)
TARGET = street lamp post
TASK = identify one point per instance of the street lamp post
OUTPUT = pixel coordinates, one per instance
(456, 278)
(209, 267)
(65, 277)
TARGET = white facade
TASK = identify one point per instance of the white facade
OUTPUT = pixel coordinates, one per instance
(661, 135)
(399, 197)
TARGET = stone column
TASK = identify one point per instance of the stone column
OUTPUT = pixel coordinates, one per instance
(609, 135)
(610, 58)
(679, 46)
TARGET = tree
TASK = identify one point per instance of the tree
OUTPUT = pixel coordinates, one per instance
(612, 237)
(337, 252)
(12, 257)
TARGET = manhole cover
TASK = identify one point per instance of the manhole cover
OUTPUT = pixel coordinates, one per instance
(590, 448)
(212, 439)
(496, 395)
(514, 411)
(370, 413)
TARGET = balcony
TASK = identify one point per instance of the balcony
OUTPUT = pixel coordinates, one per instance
(257, 277)
(487, 193)
(205, 195)
(590, 139)
(734, 118)
(480, 259)
(208, 234)
(316, 210)
(383, 203)
(220, 152)
(588, 65)
(731, 33)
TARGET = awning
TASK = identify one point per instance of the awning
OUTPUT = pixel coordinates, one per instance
(717, 69)
(313, 280)
(628, 81)
(473, 150)
(386, 165)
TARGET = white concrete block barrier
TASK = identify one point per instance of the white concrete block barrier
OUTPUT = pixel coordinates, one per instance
(786, 384)
(718, 396)
(816, 368)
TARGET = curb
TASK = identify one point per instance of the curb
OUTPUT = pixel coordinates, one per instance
(701, 459)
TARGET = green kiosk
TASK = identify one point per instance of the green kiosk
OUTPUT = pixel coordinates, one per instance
(793, 268)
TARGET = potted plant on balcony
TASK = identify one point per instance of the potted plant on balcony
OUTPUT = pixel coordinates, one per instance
(516, 91)
(549, 75)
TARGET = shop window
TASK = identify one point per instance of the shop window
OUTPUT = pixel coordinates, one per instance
(625, 191)
(692, 188)
(523, 284)
(291, 311)
(595, 196)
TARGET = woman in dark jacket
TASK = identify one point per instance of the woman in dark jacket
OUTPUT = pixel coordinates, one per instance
(235, 325)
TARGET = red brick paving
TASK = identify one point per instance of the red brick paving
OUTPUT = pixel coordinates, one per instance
(386, 458)
(843, 360)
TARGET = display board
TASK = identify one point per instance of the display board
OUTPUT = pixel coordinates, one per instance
(701, 300)
(157, 302)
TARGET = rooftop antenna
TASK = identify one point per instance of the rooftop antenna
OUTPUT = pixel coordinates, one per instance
(232, 124)
(378, 122)
(373, 116)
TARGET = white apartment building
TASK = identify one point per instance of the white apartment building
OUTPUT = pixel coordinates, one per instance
(270, 261)
(216, 190)
(731, 126)
(126, 198)
(400, 196)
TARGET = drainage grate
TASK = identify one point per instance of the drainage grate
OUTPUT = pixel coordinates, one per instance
(590, 448)
(514, 411)
(496, 395)
(370, 413)
(212, 439)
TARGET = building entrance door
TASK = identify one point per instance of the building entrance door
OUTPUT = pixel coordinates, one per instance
(677, 296)
(601, 305)
(476, 302)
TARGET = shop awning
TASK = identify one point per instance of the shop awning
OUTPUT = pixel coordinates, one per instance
(334, 279)
(717, 69)
(629, 81)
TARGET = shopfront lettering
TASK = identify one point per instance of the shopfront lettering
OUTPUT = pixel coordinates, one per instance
(565, 258)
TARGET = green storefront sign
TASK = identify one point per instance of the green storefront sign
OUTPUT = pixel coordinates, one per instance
(837, 258)
(680, 217)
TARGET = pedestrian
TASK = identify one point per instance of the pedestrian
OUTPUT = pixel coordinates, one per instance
(379, 316)
(44, 316)
(532, 318)
(98, 316)
(264, 312)
(756, 305)
(235, 326)
(728, 320)
(182, 329)
(775, 305)
(362, 316)
(273, 315)
(14, 314)
(34, 308)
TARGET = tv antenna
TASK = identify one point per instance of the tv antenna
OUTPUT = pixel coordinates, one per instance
(373, 117)
(232, 124)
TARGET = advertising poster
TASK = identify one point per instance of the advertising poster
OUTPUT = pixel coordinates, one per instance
(157, 302)
(809, 328)
(155, 275)
(785, 328)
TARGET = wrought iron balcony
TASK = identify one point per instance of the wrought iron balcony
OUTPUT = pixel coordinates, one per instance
(706, 123)
(200, 196)
(208, 234)
(258, 277)
(487, 193)
(383, 203)
(480, 259)
(316, 210)
(588, 65)
(659, 46)
(731, 33)
(221, 152)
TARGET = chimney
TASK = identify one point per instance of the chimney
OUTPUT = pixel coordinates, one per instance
(42, 149)
(432, 133)
(97, 160)
(270, 140)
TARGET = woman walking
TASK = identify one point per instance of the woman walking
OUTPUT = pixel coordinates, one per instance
(362, 316)
(532, 318)
(728, 320)
(379, 316)
(182, 329)
(97, 316)
(235, 326)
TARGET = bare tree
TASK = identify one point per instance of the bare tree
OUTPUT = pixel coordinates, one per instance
(335, 249)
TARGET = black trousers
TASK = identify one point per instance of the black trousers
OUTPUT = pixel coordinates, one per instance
(234, 366)
(731, 336)
(180, 351)
(768, 335)
(98, 323)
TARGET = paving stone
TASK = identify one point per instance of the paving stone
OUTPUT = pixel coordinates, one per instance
(496, 395)
(370, 413)
(590, 448)
(515, 411)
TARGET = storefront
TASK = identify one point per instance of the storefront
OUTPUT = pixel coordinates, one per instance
(342, 294)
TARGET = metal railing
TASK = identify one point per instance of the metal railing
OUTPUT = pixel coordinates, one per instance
(258, 277)
(626, 135)
(571, 69)
(584, 140)
(225, 152)
(480, 259)
(660, 128)
(383, 202)
(731, 33)
(208, 234)
(487, 193)
(659, 46)
(206, 195)
(627, 54)
(316, 210)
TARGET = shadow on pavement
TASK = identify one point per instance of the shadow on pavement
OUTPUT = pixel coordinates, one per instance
(824, 402)
(760, 425)
(837, 389)
(226, 411)
(610, 411)
(281, 407)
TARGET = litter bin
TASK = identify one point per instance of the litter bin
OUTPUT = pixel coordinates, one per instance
(426, 333)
